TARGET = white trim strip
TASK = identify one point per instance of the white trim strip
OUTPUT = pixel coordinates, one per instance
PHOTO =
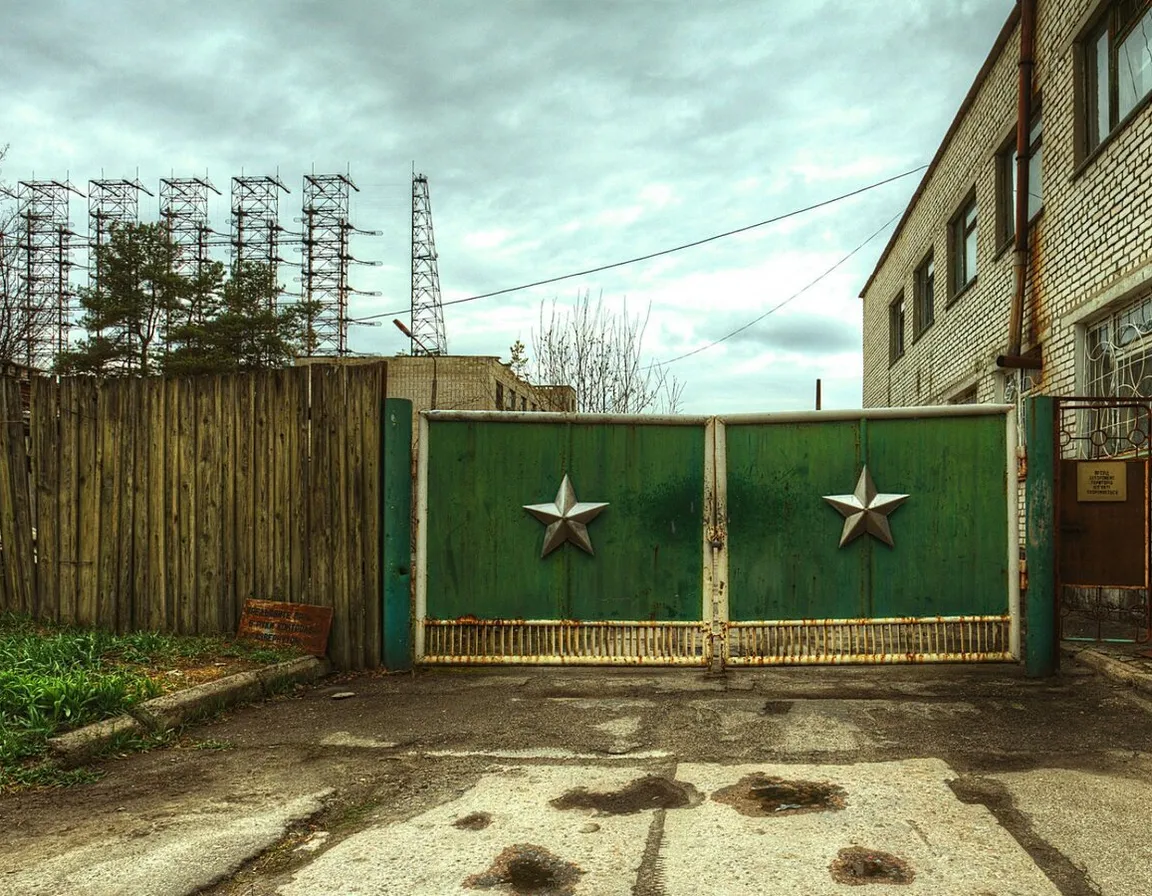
(908, 413)
(421, 538)
(553, 417)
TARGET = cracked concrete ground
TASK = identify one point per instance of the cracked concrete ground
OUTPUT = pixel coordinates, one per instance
(977, 780)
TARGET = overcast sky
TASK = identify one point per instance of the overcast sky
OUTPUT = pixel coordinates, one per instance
(556, 135)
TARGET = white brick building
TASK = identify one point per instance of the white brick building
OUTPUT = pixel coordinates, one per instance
(937, 306)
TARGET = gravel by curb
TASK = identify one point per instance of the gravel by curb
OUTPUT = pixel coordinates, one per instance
(182, 707)
(1111, 667)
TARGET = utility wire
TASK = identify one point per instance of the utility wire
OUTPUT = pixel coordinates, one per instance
(619, 264)
(776, 308)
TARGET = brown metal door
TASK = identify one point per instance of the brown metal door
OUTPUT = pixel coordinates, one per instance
(1103, 557)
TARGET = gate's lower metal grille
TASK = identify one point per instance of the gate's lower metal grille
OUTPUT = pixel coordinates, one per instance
(549, 642)
(831, 641)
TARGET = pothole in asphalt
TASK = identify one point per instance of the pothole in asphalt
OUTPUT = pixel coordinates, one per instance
(776, 708)
(856, 865)
(528, 870)
(759, 795)
(649, 792)
(475, 821)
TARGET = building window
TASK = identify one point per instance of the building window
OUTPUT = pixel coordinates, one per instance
(924, 312)
(499, 396)
(512, 399)
(1118, 352)
(1118, 364)
(963, 239)
(896, 329)
(1006, 181)
(968, 396)
(1117, 60)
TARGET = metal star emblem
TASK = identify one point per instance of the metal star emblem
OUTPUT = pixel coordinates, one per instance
(566, 518)
(866, 510)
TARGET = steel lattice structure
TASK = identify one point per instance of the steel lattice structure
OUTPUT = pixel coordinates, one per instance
(110, 203)
(46, 294)
(256, 230)
(326, 258)
(427, 324)
(184, 209)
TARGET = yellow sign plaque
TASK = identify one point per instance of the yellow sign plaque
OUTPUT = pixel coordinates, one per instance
(1101, 481)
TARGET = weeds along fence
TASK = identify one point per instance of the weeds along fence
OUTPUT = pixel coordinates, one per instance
(164, 503)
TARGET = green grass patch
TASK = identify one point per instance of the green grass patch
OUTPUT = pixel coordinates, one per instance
(56, 678)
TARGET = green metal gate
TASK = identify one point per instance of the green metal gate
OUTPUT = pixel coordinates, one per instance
(548, 538)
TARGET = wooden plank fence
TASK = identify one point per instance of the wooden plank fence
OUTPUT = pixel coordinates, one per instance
(163, 504)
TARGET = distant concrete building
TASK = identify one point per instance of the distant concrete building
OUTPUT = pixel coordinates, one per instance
(937, 306)
(462, 383)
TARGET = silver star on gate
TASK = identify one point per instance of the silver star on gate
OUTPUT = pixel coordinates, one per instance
(866, 511)
(566, 519)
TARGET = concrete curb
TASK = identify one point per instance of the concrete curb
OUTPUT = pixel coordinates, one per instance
(1110, 667)
(172, 710)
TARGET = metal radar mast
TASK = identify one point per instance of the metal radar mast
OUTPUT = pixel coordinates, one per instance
(427, 324)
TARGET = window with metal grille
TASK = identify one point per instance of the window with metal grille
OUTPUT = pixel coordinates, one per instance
(1118, 352)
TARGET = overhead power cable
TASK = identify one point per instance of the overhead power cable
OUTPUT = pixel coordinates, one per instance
(618, 264)
(776, 308)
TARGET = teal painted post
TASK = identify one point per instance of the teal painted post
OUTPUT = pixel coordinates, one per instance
(396, 532)
(1041, 653)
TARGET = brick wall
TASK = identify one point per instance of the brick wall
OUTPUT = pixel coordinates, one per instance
(1091, 244)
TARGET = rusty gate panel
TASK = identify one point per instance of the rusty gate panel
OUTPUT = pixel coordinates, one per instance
(1103, 557)
(1104, 543)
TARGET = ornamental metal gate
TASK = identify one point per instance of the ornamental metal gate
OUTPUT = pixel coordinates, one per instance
(878, 536)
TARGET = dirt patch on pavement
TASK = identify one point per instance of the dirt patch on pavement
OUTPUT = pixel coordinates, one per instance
(761, 796)
(649, 792)
(528, 870)
(186, 672)
(856, 865)
(476, 821)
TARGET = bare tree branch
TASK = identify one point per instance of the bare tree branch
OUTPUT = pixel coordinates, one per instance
(600, 354)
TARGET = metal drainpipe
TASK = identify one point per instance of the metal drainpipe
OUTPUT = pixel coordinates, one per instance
(1023, 133)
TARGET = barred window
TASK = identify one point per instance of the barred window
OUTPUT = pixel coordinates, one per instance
(1118, 352)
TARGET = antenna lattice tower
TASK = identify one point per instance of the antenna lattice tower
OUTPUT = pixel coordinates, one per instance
(184, 210)
(427, 324)
(256, 226)
(110, 203)
(45, 291)
(326, 258)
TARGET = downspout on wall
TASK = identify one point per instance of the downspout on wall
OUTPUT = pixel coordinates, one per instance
(1012, 357)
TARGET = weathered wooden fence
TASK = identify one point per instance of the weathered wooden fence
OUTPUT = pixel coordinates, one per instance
(165, 503)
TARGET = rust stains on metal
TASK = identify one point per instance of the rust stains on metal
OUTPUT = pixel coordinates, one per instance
(856, 865)
(528, 870)
(761, 796)
(649, 792)
(287, 624)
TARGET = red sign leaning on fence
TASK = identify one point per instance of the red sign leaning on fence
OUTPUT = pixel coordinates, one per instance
(282, 624)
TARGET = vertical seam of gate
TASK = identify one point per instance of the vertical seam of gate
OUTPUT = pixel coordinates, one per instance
(1013, 488)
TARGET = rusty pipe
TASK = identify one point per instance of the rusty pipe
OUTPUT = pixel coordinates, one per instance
(1023, 134)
